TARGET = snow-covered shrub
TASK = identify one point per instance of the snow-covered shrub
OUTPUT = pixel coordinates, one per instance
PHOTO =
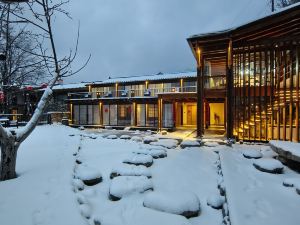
(125, 185)
(130, 170)
(268, 165)
(252, 154)
(181, 203)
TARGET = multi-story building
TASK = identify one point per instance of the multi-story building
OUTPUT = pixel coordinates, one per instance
(260, 64)
(153, 101)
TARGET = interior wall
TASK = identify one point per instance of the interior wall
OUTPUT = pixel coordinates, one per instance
(216, 113)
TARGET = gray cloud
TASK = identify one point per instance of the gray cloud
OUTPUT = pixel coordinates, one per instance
(132, 37)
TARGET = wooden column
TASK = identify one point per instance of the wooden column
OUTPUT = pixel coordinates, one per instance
(297, 93)
(229, 84)
(71, 113)
(200, 93)
(101, 112)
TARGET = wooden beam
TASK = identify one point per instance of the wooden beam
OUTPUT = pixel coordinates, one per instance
(230, 96)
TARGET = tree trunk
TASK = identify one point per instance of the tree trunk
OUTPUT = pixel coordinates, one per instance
(8, 160)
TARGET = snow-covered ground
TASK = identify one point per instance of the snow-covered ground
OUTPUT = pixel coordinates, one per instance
(54, 158)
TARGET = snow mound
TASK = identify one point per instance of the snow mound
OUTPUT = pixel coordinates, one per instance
(85, 211)
(136, 139)
(88, 175)
(81, 128)
(127, 128)
(189, 143)
(126, 185)
(149, 139)
(125, 137)
(112, 136)
(216, 201)
(181, 203)
(211, 144)
(139, 159)
(268, 165)
(78, 184)
(167, 143)
(130, 170)
(252, 154)
(291, 182)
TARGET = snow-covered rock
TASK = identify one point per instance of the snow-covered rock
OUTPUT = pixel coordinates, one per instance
(252, 154)
(181, 203)
(164, 132)
(211, 144)
(125, 185)
(291, 182)
(112, 136)
(189, 143)
(130, 170)
(167, 143)
(139, 159)
(216, 201)
(149, 139)
(88, 175)
(155, 153)
(268, 165)
(81, 128)
(125, 137)
(136, 139)
(127, 128)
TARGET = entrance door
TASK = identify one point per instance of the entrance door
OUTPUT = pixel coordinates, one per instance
(191, 114)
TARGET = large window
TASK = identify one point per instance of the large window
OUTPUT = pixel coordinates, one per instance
(124, 115)
(152, 115)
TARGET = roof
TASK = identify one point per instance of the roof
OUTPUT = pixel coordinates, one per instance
(70, 86)
(252, 22)
(159, 76)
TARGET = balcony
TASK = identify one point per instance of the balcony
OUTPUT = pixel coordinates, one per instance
(132, 93)
(215, 82)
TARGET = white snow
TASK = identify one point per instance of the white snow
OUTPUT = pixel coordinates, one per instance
(148, 139)
(78, 184)
(211, 144)
(292, 147)
(167, 143)
(268, 164)
(176, 202)
(252, 153)
(125, 185)
(291, 182)
(131, 170)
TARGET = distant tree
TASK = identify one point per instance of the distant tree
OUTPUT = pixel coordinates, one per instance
(21, 65)
(42, 15)
(284, 3)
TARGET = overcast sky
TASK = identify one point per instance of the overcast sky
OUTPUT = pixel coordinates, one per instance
(138, 37)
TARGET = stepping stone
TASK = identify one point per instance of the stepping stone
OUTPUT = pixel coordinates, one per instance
(136, 139)
(88, 175)
(216, 201)
(211, 144)
(189, 143)
(252, 154)
(268, 165)
(130, 170)
(139, 159)
(149, 139)
(125, 185)
(155, 153)
(112, 136)
(291, 182)
(167, 143)
(182, 203)
(125, 137)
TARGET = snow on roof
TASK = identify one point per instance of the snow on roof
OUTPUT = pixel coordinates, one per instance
(245, 24)
(159, 76)
(70, 86)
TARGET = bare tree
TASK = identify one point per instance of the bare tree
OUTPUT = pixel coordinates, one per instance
(57, 67)
(283, 3)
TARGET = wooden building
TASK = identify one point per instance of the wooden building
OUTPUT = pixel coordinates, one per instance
(151, 102)
(258, 64)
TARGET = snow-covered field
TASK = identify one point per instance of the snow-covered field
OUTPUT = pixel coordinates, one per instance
(55, 161)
